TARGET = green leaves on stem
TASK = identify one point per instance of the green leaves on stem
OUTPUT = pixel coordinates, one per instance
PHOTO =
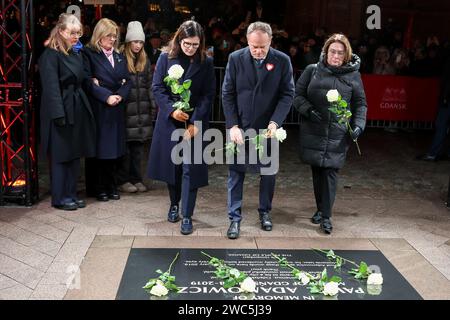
(342, 111)
(231, 277)
(316, 285)
(182, 90)
(361, 271)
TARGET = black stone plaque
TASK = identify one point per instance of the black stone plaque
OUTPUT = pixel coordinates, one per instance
(197, 281)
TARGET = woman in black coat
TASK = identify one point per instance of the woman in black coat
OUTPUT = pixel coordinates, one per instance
(139, 122)
(67, 121)
(323, 141)
(108, 93)
(187, 49)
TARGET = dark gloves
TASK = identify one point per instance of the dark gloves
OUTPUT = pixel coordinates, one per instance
(356, 133)
(60, 122)
(315, 115)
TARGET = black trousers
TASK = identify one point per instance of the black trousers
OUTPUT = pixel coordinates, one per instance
(90, 176)
(325, 184)
(129, 169)
(182, 191)
(64, 178)
(100, 176)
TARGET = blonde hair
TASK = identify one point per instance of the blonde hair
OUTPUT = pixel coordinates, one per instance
(104, 27)
(56, 41)
(340, 38)
(136, 62)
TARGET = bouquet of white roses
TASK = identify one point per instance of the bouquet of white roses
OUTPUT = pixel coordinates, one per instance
(340, 108)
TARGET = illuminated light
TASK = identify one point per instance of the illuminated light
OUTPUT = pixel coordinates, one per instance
(3, 121)
(28, 41)
(154, 7)
(3, 74)
(18, 183)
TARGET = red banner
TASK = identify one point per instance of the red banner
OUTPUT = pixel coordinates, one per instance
(401, 98)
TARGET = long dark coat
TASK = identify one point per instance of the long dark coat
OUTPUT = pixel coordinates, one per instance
(252, 103)
(139, 106)
(325, 144)
(160, 166)
(62, 77)
(111, 133)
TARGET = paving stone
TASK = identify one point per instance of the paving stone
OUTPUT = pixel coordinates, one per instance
(24, 254)
(17, 292)
(19, 271)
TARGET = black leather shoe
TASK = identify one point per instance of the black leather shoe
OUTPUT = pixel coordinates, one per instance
(186, 226)
(114, 195)
(426, 157)
(172, 215)
(80, 203)
(70, 206)
(233, 230)
(326, 225)
(266, 221)
(102, 196)
(317, 217)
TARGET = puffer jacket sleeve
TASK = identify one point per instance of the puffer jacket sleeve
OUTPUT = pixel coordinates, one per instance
(301, 103)
(358, 103)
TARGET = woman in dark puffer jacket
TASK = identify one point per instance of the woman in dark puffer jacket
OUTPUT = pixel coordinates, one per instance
(138, 110)
(323, 141)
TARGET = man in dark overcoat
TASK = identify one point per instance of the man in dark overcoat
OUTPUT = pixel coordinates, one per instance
(258, 92)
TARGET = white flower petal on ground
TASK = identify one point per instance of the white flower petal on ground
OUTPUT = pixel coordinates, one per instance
(159, 290)
(375, 279)
(303, 277)
(248, 285)
(331, 289)
(176, 71)
(333, 95)
(235, 273)
(374, 289)
(280, 134)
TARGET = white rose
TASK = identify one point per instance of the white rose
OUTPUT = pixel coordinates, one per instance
(331, 289)
(303, 278)
(235, 273)
(374, 290)
(248, 285)
(176, 71)
(375, 279)
(333, 96)
(159, 290)
(280, 134)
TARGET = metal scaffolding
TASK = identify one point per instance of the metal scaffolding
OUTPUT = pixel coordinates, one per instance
(18, 167)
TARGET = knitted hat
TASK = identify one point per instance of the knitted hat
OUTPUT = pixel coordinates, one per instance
(135, 32)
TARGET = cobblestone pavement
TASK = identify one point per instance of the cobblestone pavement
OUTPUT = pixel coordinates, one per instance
(384, 194)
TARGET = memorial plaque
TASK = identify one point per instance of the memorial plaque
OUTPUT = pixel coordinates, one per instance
(196, 279)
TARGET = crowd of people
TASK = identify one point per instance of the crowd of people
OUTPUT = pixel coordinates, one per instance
(99, 98)
(384, 51)
(96, 104)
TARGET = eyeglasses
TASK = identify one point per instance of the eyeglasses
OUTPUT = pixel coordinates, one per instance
(111, 36)
(74, 34)
(332, 52)
(190, 44)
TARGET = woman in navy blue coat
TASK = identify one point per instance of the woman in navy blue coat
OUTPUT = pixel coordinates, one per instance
(186, 49)
(108, 92)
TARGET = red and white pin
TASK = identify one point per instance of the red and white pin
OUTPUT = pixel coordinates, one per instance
(269, 67)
